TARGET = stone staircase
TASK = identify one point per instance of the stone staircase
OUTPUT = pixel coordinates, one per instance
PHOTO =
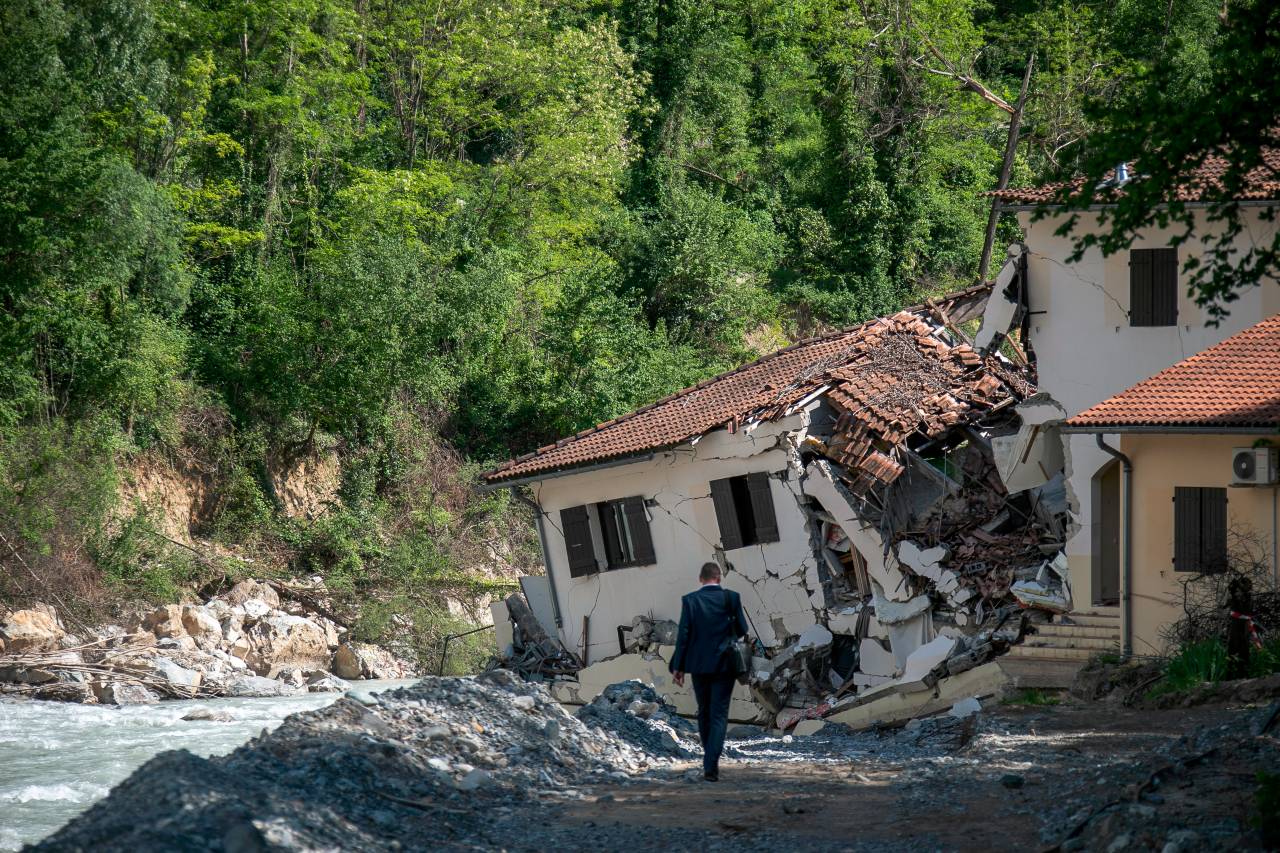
(1055, 653)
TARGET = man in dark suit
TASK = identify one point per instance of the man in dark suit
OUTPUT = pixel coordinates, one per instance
(710, 620)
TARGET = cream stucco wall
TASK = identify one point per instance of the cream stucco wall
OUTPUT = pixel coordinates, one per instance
(773, 578)
(1086, 351)
(1161, 462)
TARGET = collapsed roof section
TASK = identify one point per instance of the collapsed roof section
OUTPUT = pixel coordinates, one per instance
(722, 401)
(930, 477)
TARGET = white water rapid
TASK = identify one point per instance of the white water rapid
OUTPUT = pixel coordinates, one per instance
(57, 759)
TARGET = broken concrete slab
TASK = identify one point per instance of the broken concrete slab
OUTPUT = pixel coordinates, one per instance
(804, 728)
(1002, 306)
(924, 659)
(875, 659)
(892, 707)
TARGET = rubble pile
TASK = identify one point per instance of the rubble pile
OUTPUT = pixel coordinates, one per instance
(255, 639)
(930, 515)
(361, 774)
(636, 713)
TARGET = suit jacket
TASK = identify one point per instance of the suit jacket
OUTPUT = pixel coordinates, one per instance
(710, 621)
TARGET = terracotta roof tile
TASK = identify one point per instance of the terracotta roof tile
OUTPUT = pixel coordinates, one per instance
(1263, 183)
(878, 371)
(1233, 384)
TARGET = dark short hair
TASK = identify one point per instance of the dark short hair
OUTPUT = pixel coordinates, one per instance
(709, 571)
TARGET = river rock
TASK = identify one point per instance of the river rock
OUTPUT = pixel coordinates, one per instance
(201, 626)
(362, 660)
(64, 691)
(285, 642)
(325, 682)
(208, 715)
(255, 686)
(251, 590)
(183, 681)
(122, 693)
(165, 622)
(32, 630)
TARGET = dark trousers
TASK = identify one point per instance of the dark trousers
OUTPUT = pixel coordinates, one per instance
(712, 693)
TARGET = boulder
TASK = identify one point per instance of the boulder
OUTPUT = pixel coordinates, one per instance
(32, 630)
(251, 591)
(46, 671)
(284, 642)
(176, 644)
(165, 622)
(364, 660)
(122, 693)
(324, 682)
(256, 608)
(183, 681)
(63, 691)
(255, 686)
(200, 623)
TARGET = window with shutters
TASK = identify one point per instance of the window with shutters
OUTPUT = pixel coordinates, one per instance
(607, 535)
(625, 528)
(744, 510)
(1153, 287)
(1199, 529)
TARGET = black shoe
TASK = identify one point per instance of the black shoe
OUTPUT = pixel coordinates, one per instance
(712, 777)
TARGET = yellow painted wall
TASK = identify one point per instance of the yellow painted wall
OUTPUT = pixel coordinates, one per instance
(1161, 462)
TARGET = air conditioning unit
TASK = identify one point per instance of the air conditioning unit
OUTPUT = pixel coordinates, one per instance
(1254, 466)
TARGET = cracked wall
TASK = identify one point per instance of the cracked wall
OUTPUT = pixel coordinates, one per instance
(1087, 351)
(778, 581)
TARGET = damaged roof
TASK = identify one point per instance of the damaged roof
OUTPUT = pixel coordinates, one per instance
(1233, 384)
(1261, 184)
(890, 372)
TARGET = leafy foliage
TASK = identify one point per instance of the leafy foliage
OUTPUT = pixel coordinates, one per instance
(1207, 92)
(493, 222)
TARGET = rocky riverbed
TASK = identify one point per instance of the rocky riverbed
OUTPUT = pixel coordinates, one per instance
(255, 639)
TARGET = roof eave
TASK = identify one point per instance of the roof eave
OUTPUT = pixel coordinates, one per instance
(1177, 429)
(565, 470)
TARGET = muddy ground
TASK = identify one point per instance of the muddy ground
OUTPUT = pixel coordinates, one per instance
(943, 794)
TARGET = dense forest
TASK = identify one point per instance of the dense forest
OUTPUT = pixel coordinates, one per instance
(423, 236)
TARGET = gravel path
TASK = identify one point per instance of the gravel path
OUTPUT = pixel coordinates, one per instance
(492, 763)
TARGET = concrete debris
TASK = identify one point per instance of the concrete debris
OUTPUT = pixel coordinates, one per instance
(634, 712)
(360, 775)
(926, 525)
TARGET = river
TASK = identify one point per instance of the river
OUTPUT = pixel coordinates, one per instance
(57, 759)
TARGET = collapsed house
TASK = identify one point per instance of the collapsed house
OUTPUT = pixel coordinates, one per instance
(889, 500)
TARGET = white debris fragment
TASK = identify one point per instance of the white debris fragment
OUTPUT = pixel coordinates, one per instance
(813, 637)
(965, 708)
(922, 661)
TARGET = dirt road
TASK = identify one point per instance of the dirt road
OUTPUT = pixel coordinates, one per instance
(1021, 781)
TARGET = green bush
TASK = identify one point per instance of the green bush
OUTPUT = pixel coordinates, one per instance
(1205, 661)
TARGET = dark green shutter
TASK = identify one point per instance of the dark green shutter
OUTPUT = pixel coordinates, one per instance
(1164, 287)
(577, 541)
(1200, 529)
(638, 524)
(1186, 529)
(1140, 308)
(726, 514)
(762, 507)
(1153, 287)
(609, 532)
(1213, 523)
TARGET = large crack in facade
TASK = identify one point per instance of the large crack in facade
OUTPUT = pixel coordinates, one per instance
(919, 485)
